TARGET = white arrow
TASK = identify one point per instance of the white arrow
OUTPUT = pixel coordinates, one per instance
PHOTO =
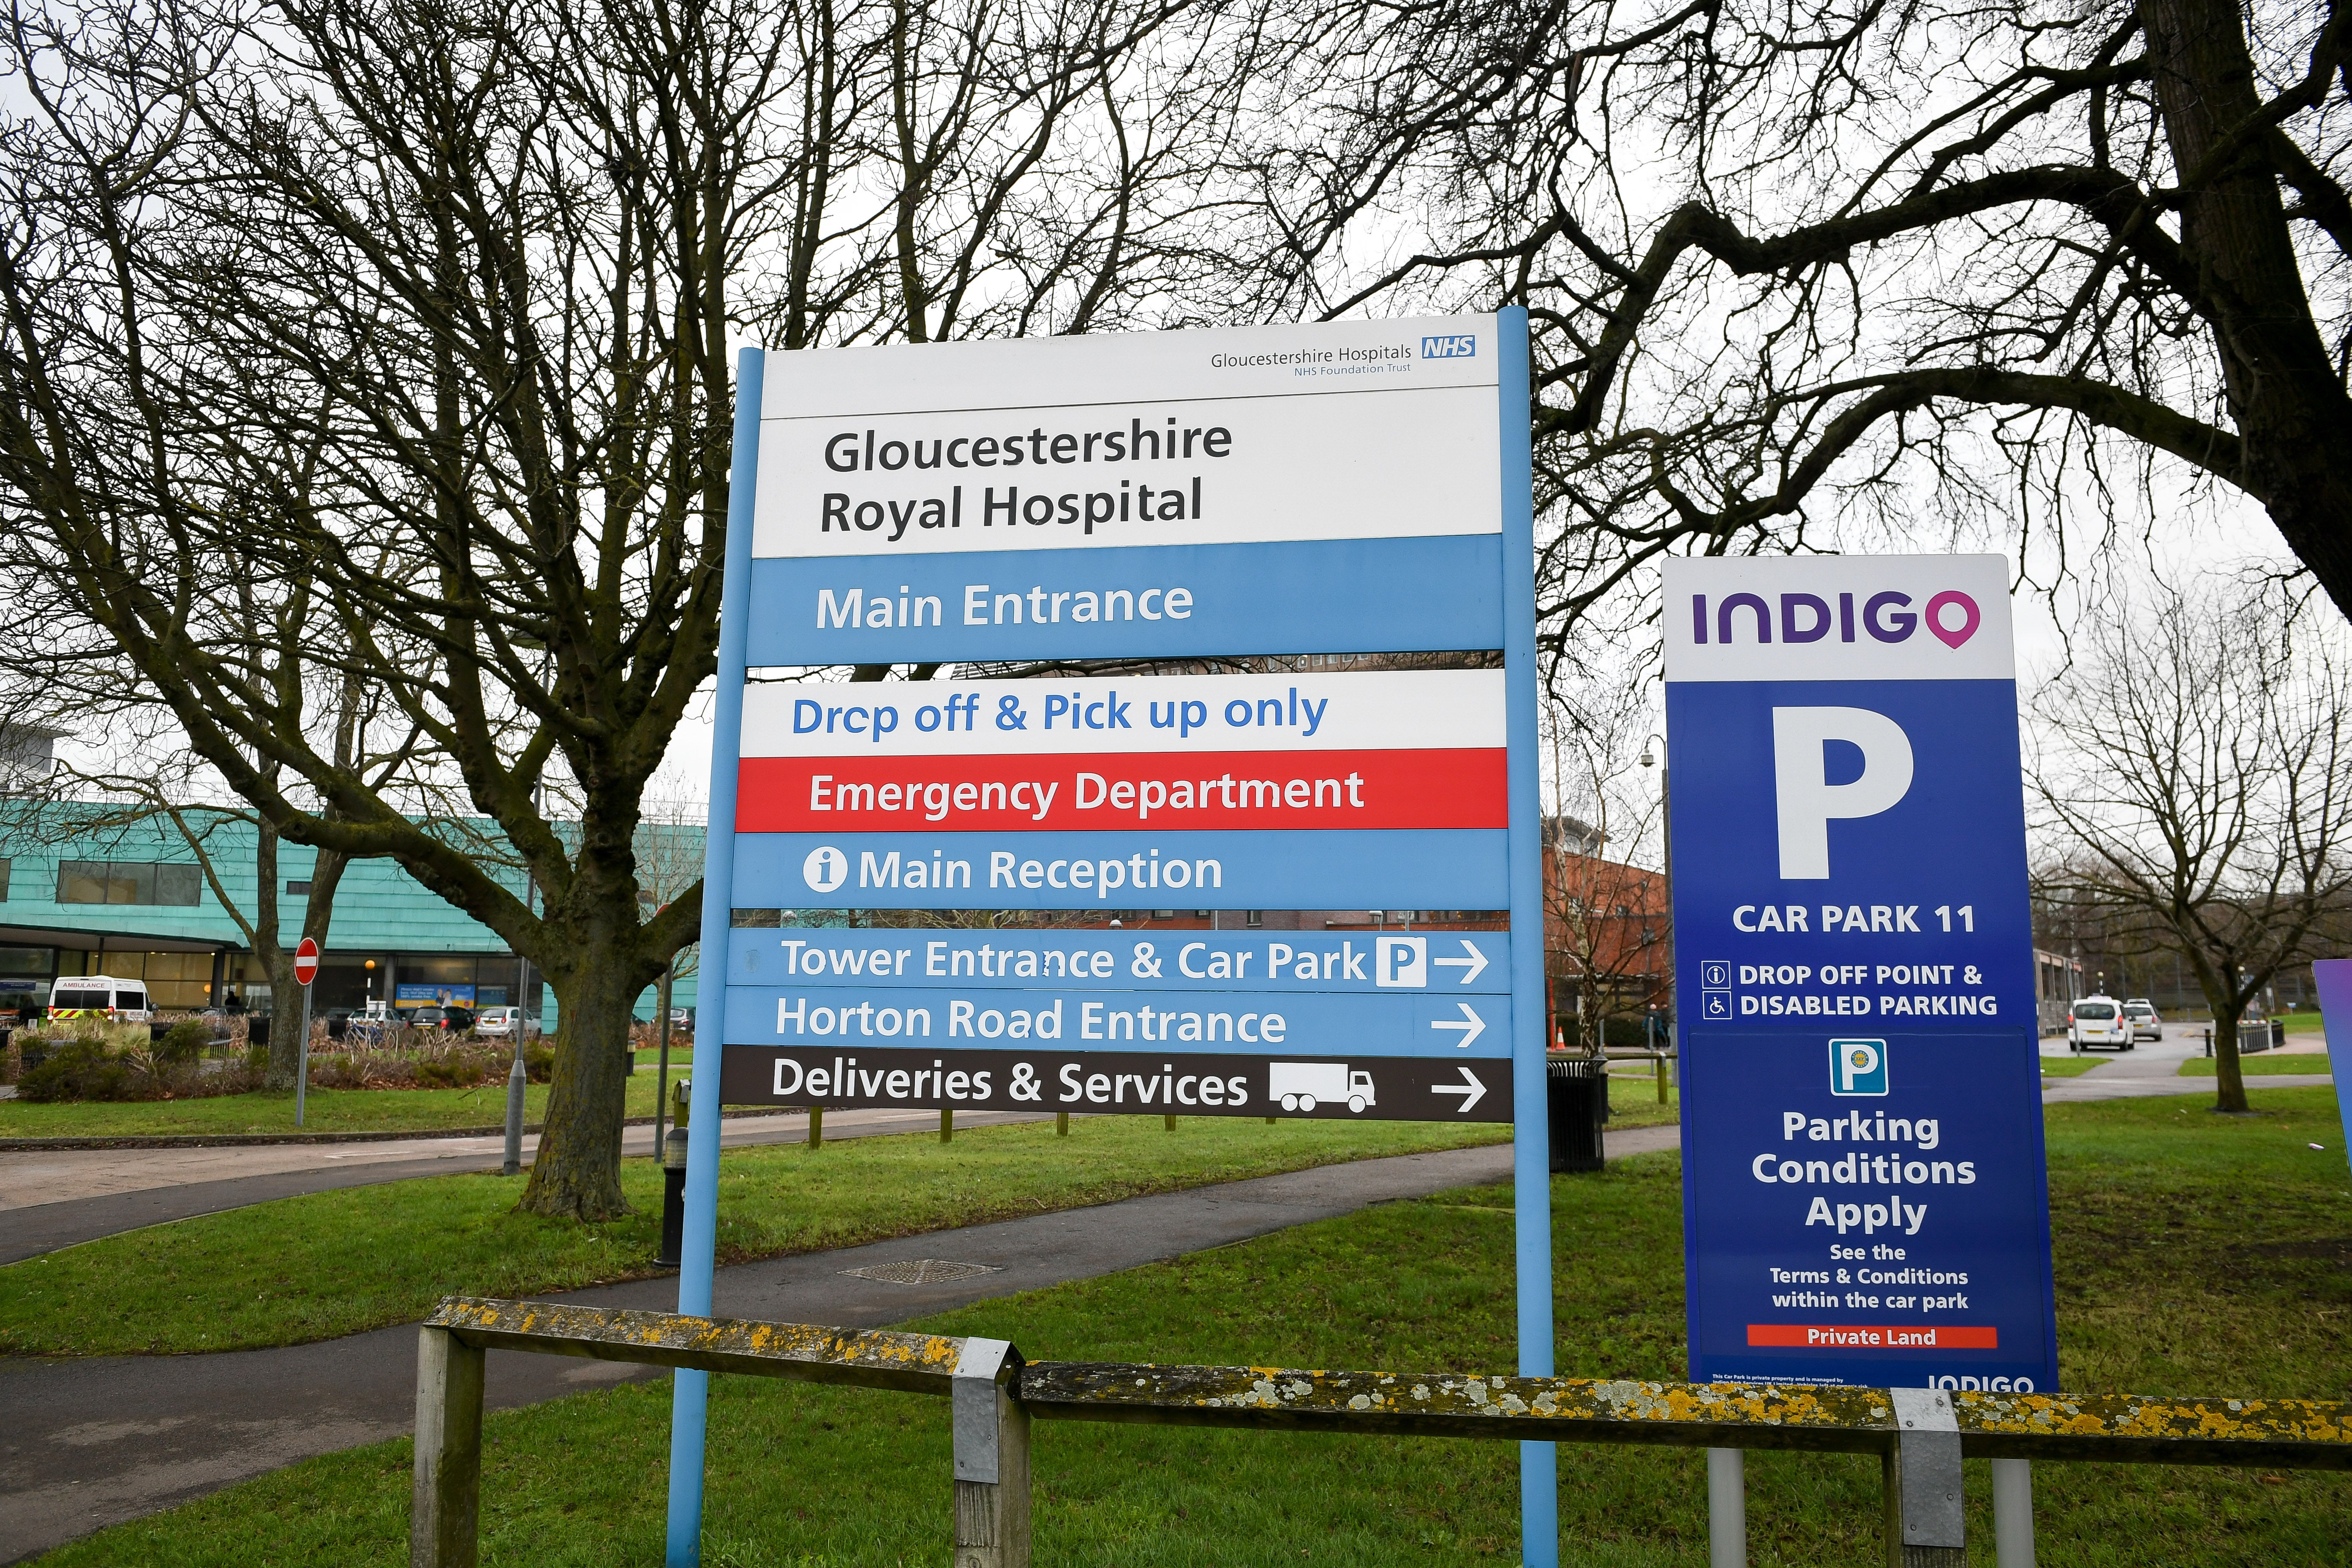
(1473, 966)
(1471, 1029)
(1470, 1088)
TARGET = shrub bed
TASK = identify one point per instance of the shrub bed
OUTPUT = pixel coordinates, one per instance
(101, 1062)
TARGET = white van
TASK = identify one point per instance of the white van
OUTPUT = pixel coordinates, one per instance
(2097, 1021)
(100, 997)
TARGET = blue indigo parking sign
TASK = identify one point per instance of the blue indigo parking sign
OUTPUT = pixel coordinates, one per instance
(1864, 1184)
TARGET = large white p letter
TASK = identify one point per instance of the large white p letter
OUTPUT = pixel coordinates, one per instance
(1807, 800)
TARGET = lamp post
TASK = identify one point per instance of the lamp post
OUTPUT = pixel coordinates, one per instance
(1666, 829)
(517, 1078)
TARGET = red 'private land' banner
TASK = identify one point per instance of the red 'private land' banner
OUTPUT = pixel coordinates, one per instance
(1915, 1336)
(1376, 789)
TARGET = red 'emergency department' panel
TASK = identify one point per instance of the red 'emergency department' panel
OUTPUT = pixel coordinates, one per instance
(1431, 788)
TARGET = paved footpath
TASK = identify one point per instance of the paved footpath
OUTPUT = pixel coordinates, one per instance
(89, 1443)
(58, 1197)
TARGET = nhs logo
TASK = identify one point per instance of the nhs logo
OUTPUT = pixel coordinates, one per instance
(1459, 345)
(1857, 1067)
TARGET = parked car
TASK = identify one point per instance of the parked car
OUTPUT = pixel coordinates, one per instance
(2097, 1021)
(100, 997)
(499, 1024)
(456, 1020)
(2146, 1025)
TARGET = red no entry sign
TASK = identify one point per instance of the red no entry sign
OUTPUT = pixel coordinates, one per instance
(306, 961)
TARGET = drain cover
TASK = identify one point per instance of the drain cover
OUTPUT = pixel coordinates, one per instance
(922, 1271)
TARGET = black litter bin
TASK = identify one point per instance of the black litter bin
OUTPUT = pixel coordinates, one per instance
(1576, 1095)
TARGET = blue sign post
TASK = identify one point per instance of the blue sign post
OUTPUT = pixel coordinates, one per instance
(1864, 1193)
(1340, 488)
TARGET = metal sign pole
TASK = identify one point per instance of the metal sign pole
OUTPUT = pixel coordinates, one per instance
(302, 1068)
(1531, 1140)
(691, 1389)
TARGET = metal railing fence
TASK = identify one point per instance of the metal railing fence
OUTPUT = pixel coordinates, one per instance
(1920, 1435)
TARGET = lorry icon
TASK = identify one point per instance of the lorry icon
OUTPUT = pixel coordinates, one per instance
(1302, 1086)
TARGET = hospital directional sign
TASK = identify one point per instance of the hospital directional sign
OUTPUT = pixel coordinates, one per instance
(1864, 1192)
(1207, 499)
(1359, 962)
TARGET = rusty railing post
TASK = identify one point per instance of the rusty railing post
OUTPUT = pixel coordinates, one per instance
(445, 1527)
(992, 1458)
(1926, 1524)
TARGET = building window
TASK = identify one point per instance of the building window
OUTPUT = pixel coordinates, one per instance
(128, 883)
(3, 880)
(1253, 918)
(293, 887)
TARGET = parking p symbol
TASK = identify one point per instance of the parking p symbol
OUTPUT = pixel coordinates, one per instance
(1402, 960)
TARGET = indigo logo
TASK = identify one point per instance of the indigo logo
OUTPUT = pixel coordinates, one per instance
(1857, 1067)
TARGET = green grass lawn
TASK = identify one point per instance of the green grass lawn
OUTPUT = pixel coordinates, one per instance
(2263, 1064)
(324, 1110)
(2169, 1281)
(326, 1264)
(2068, 1066)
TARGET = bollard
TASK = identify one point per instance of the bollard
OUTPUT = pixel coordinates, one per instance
(1269, 1121)
(1061, 1124)
(1926, 1527)
(946, 1125)
(1172, 1124)
(817, 1126)
(992, 1458)
(673, 1159)
(673, 1229)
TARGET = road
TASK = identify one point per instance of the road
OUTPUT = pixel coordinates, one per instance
(2153, 1068)
(89, 1443)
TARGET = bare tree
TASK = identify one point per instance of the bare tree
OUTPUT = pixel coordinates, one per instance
(2198, 790)
(483, 259)
(1802, 276)
(1607, 918)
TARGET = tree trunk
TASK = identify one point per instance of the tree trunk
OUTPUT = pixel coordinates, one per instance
(576, 1174)
(284, 1019)
(2228, 1075)
(2284, 396)
(285, 1053)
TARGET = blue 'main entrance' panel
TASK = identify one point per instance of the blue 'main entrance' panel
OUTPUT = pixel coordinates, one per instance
(1362, 596)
